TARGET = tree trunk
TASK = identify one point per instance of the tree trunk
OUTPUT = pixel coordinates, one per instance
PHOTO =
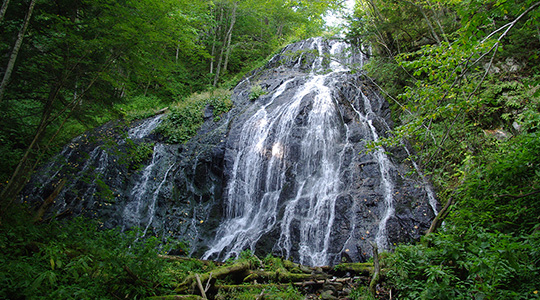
(16, 48)
(436, 223)
(50, 200)
(226, 43)
(217, 29)
(376, 270)
(3, 9)
(229, 34)
(282, 276)
(24, 167)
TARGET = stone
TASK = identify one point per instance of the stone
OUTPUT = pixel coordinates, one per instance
(327, 295)
(181, 191)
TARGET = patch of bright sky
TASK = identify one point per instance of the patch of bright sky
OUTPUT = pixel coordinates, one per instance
(336, 19)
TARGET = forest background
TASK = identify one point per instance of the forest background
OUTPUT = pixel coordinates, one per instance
(462, 78)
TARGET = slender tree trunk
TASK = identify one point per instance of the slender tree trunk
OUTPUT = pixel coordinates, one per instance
(229, 34)
(436, 16)
(218, 68)
(147, 86)
(3, 9)
(16, 48)
(386, 40)
(430, 25)
(226, 43)
(24, 167)
(217, 30)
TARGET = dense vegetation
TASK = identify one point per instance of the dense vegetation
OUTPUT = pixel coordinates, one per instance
(69, 66)
(74, 65)
(77, 260)
(463, 80)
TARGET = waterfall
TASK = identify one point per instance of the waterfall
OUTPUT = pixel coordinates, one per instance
(255, 191)
(145, 128)
(140, 209)
(287, 173)
(384, 164)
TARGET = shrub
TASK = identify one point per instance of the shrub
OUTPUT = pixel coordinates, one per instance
(77, 260)
(186, 116)
(256, 91)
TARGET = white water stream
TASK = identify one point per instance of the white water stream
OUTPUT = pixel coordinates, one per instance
(254, 193)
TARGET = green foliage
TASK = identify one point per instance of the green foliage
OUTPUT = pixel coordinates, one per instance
(447, 93)
(273, 263)
(501, 190)
(78, 260)
(451, 96)
(139, 153)
(186, 117)
(84, 63)
(467, 263)
(393, 27)
(289, 293)
(361, 293)
(256, 91)
(139, 107)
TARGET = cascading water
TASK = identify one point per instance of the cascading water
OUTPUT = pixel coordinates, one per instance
(140, 210)
(287, 173)
(255, 200)
(145, 128)
(384, 166)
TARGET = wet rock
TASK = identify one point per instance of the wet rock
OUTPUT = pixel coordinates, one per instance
(328, 295)
(184, 191)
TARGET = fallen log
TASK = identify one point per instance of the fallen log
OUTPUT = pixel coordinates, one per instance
(176, 297)
(280, 276)
(184, 259)
(234, 287)
(364, 269)
(237, 269)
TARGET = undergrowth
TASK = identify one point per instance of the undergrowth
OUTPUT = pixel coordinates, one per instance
(76, 260)
(489, 246)
(186, 116)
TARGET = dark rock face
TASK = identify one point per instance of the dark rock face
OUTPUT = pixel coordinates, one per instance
(291, 189)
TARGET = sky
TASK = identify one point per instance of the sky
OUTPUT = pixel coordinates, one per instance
(335, 20)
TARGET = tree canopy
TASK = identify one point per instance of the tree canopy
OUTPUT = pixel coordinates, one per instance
(463, 80)
(72, 65)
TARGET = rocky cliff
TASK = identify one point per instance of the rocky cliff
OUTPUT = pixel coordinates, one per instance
(286, 171)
